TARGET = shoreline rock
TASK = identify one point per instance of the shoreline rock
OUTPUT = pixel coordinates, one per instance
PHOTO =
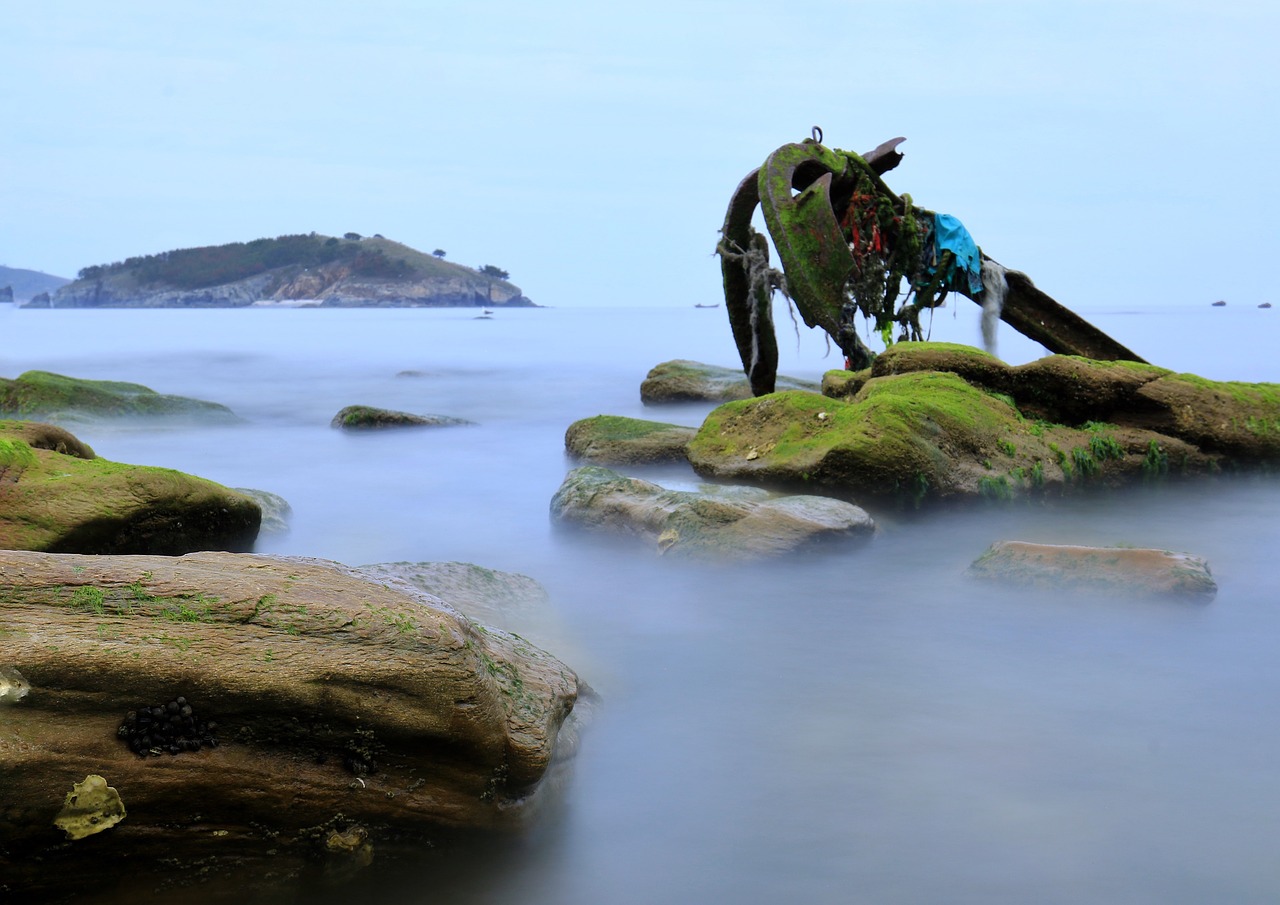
(340, 704)
(56, 496)
(931, 421)
(727, 523)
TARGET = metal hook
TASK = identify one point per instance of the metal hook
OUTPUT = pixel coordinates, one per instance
(817, 134)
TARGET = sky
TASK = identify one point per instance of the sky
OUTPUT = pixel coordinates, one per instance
(1122, 153)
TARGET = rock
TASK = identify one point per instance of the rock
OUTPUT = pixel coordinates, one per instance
(933, 420)
(90, 807)
(276, 510)
(338, 703)
(1219, 304)
(505, 600)
(693, 381)
(56, 496)
(1265, 305)
(365, 417)
(726, 523)
(6, 295)
(1096, 569)
(39, 300)
(54, 397)
(613, 440)
(13, 687)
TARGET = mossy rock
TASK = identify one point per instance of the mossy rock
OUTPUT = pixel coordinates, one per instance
(925, 435)
(55, 397)
(682, 380)
(63, 502)
(614, 440)
(367, 417)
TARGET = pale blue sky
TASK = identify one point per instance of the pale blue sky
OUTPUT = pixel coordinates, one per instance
(1120, 152)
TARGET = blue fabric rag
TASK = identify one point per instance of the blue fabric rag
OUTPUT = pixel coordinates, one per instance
(950, 235)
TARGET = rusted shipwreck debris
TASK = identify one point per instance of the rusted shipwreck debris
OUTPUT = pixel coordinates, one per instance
(848, 245)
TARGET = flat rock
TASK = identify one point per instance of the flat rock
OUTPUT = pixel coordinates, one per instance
(1096, 569)
(348, 714)
(614, 440)
(58, 497)
(54, 397)
(724, 523)
(367, 417)
(682, 380)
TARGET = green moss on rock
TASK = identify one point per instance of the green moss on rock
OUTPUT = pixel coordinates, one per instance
(61, 503)
(58, 397)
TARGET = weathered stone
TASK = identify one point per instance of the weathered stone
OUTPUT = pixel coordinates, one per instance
(613, 440)
(73, 502)
(339, 702)
(692, 381)
(53, 397)
(367, 417)
(1096, 569)
(935, 421)
(727, 523)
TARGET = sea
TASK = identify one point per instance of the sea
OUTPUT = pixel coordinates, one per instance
(849, 726)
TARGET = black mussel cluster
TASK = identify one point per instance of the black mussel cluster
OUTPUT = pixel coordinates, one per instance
(166, 729)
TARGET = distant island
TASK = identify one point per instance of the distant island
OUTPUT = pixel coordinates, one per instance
(289, 271)
(26, 284)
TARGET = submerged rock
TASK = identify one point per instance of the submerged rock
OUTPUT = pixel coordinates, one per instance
(1096, 569)
(933, 420)
(54, 397)
(339, 703)
(725, 523)
(692, 381)
(367, 417)
(56, 496)
(614, 440)
(276, 510)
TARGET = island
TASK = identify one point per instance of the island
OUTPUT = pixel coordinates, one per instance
(310, 270)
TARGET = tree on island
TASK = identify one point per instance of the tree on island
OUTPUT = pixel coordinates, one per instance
(439, 253)
(497, 272)
(354, 237)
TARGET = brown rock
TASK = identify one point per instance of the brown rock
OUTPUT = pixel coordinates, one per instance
(1097, 569)
(338, 703)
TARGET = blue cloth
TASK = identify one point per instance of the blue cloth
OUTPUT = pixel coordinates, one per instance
(950, 235)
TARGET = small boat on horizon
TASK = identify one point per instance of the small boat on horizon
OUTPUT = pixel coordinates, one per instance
(700, 305)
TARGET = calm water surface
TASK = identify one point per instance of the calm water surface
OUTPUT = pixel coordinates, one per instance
(859, 727)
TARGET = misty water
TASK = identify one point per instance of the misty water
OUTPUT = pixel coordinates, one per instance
(851, 726)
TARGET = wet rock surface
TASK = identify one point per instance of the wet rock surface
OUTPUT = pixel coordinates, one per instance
(730, 523)
(337, 702)
(681, 380)
(1105, 570)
